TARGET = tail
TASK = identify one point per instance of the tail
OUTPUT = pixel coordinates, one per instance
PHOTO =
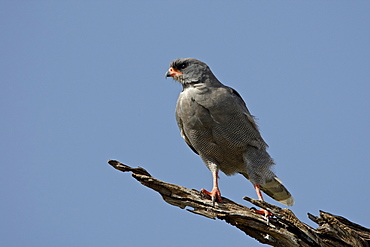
(276, 190)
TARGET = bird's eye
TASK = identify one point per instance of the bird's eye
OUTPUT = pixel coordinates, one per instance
(183, 66)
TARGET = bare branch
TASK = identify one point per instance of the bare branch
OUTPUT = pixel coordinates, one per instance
(284, 229)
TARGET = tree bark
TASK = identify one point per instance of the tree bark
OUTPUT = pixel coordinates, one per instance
(283, 229)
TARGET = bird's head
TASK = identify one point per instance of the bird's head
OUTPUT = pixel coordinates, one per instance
(188, 70)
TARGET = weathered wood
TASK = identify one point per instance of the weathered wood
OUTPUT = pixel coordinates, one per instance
(284, 229)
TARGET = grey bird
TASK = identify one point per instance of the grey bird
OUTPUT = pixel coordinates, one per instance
(216, 124)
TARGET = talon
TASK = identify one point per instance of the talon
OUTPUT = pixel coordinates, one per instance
(215, 194)
(263, 212)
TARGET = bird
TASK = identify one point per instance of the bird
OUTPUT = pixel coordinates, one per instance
(216, 124)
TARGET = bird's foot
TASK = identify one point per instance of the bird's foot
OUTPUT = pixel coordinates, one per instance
(215, 195)
(263, 212)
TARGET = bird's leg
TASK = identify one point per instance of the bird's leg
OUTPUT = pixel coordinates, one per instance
(259, 194)
(215, 193)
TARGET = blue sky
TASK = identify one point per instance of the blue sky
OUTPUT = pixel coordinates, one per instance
(83, 82)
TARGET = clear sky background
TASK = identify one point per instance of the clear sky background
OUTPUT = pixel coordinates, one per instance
(83, 82)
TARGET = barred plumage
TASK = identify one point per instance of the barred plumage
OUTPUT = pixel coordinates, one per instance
(215, 122)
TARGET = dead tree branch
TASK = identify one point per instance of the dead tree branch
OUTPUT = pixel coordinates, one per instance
(284, 229)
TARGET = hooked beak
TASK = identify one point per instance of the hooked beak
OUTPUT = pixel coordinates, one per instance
(173, 72)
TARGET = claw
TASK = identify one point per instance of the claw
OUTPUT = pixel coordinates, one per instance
(262, 211)
(215, 195)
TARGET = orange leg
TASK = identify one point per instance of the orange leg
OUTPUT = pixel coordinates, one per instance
(215, 193)
(259, 194)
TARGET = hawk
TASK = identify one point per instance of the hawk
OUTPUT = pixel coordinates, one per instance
(217, 125)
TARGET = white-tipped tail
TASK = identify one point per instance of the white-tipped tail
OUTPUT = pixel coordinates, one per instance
(276, 190)
(288, 202)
